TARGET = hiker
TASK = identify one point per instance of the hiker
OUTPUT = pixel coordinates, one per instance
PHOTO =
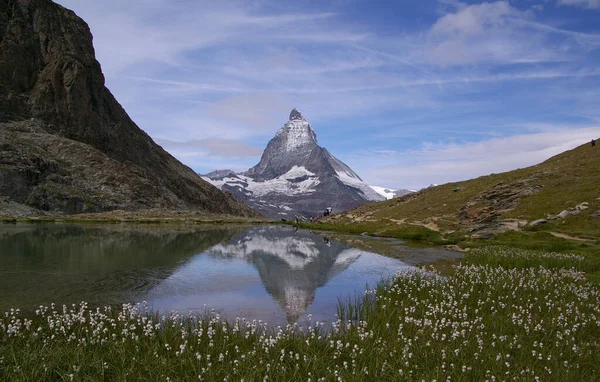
(593, 143)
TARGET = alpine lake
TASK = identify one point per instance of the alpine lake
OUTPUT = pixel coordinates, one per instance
(276, 274)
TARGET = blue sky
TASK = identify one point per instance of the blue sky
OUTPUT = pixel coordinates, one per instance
(407, 93)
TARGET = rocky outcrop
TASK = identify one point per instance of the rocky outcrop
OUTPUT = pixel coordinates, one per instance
(570, 211)
(296, 176)
(66, 144)
(503, 197)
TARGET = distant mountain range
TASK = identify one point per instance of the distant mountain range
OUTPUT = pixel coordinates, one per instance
(296, 176)
(389, 193)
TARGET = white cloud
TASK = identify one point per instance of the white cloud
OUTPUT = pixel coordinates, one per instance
(497, 33)
(475, 33)
(592, 4)
(449, 162)
(474, 20)
(136, 31)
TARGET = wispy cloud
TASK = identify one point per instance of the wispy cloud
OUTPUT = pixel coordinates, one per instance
(592, 4)
(436, 163)
(222, 76)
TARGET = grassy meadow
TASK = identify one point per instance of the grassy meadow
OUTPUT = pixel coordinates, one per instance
(502, 314)
(449, 212)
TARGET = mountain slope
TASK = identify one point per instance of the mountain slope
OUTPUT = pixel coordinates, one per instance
(501, 202)
(296, 176)
(66, 143)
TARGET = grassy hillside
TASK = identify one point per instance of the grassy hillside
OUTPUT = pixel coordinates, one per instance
(499, 202)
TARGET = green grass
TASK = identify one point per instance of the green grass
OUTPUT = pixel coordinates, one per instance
(506, 314)
(414, 233)
(538, 241)
(563, 181)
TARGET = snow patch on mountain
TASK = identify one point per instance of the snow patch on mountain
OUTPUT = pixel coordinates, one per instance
(297, 133)
(389, 193)
(385, 192)
(352, 180)
(298, 180)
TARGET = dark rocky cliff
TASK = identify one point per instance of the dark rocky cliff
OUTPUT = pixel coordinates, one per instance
(66, 144)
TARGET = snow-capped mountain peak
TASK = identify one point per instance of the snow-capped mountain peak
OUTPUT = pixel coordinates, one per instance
(295, 114)
(296, 176)
(296, 134)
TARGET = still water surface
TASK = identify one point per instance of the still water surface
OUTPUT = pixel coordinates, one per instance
(276, 274)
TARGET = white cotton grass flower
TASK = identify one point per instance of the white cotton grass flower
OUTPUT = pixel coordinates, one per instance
(483, 322)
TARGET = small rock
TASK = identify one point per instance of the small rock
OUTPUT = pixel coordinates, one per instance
(596, 214)
(575, 213)
(455, 248)
(364, 234)
(582, 206)
(563, 214)
(552, 217)
(538, 222)
(456, 189)
(521, 223)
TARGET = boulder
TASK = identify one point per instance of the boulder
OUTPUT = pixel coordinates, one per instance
(563, 214)
(538, 222)
(582, 206)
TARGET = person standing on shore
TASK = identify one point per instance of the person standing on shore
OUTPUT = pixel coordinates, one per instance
(593, 143)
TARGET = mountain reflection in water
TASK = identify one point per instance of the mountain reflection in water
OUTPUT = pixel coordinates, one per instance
(269, 273)
(292, 267)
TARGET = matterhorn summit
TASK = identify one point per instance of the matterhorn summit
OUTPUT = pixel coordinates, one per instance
(292, 144)
(296, 176)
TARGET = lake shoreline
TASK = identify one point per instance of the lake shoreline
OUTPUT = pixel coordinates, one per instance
(152, 216)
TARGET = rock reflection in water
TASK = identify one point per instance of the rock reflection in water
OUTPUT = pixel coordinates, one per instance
(100, 264)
